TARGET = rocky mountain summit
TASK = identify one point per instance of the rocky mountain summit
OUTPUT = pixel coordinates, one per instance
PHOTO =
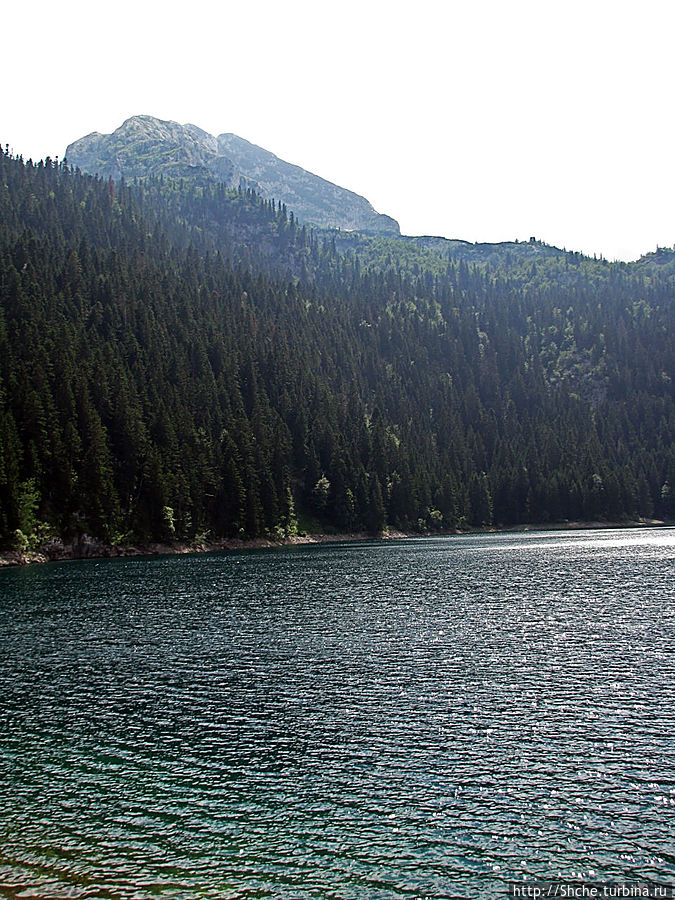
(144, 146)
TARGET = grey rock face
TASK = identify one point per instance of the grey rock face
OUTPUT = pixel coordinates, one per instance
(314, 199)
(144, 146)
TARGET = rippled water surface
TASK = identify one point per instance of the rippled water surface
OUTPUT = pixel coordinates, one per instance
(406, 719)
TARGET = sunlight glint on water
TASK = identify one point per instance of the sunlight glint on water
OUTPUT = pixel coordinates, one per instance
(420, 718)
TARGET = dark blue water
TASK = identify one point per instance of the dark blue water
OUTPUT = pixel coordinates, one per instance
(406, 719)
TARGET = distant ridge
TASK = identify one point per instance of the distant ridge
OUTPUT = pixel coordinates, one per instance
(144, 145)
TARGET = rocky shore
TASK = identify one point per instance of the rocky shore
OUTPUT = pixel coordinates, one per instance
(87, 547)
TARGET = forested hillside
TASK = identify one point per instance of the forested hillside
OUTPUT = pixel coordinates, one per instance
(178, 359)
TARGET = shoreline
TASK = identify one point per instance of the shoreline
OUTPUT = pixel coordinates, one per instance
(85, 547)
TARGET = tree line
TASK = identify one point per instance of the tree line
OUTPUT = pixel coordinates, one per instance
(179, 359)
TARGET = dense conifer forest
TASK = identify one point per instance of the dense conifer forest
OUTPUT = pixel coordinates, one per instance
(178, 360)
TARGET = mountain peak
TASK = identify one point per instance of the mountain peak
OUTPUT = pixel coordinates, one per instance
(144, 145)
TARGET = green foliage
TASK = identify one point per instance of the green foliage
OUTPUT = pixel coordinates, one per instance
(320, 494)
(28, 502)
(177, 361)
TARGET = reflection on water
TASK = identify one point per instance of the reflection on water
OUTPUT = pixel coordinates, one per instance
(419, 718)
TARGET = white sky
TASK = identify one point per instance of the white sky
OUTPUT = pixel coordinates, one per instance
(478, 119)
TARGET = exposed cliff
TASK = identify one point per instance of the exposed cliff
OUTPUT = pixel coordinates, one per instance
(144, 146)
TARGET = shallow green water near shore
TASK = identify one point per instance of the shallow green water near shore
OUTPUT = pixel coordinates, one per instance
(402, 719)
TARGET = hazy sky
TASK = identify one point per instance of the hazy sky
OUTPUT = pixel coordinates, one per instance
(480, 120)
